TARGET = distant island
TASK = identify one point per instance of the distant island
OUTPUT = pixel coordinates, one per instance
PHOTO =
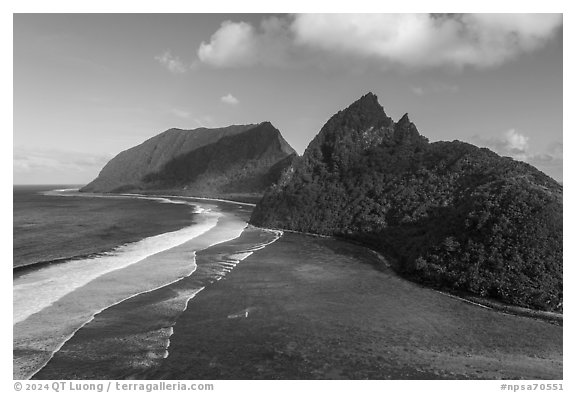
(239, 161)
(447, 214)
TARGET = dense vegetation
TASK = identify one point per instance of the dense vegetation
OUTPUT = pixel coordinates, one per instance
(239, 161)
(244, 163)
(449, 214)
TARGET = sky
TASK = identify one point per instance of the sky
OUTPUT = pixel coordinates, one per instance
(88, 86)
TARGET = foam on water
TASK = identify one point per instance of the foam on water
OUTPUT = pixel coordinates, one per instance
(53, 303)
(73, 192)
(210, 199)
(39, 289)
(227, 265)
(145, 322)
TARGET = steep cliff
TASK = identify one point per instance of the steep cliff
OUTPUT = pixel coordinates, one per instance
(207, 162)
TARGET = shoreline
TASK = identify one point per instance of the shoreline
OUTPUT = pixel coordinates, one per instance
(92, 318)
(491, 304)
(315, 308)
(265, 293)
(65, 278)
(159, 308)
(208, 199)
(304, 307)
(30, 267)
(186, 211)
(28, 340)
(245, 199)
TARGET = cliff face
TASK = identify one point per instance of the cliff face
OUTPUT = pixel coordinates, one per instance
(448, 214)
(207, 162)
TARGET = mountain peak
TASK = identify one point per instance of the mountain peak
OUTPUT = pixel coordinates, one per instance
(369, 97)
(437, 208)
(404, 120)
(363, 113)
(368, 102)
(406, 131)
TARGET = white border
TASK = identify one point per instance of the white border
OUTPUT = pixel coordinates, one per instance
(248, 6)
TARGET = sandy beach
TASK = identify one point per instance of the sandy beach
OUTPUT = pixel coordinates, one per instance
(306, 308)
(53, 303)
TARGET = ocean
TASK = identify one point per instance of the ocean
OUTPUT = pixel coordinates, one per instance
(77, 254)
(51, 226)
(150, 287)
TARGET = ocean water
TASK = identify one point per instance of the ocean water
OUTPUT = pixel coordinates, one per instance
(77, 255)
(54, 226)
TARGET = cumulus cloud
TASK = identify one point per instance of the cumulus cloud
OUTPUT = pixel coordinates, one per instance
(229, 99)
(406, 40)
(516, 145)
(511, 144)
(237, 44)
(171, 62)
(234, 44)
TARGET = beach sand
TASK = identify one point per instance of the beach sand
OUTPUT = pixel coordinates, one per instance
(307, 308)
(68, 304)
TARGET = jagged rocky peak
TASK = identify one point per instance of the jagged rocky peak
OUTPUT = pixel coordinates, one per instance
(446, 213)
(404, 121)
(367, 101)
(366, 111)
(363, 114)
(405, 131)
(361, 125)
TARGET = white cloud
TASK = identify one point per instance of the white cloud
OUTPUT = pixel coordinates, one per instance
(234, 44)
(516, 145)
(407, 40)
(511, 144)
(229, 99)
(171, 62)
(238, 44)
